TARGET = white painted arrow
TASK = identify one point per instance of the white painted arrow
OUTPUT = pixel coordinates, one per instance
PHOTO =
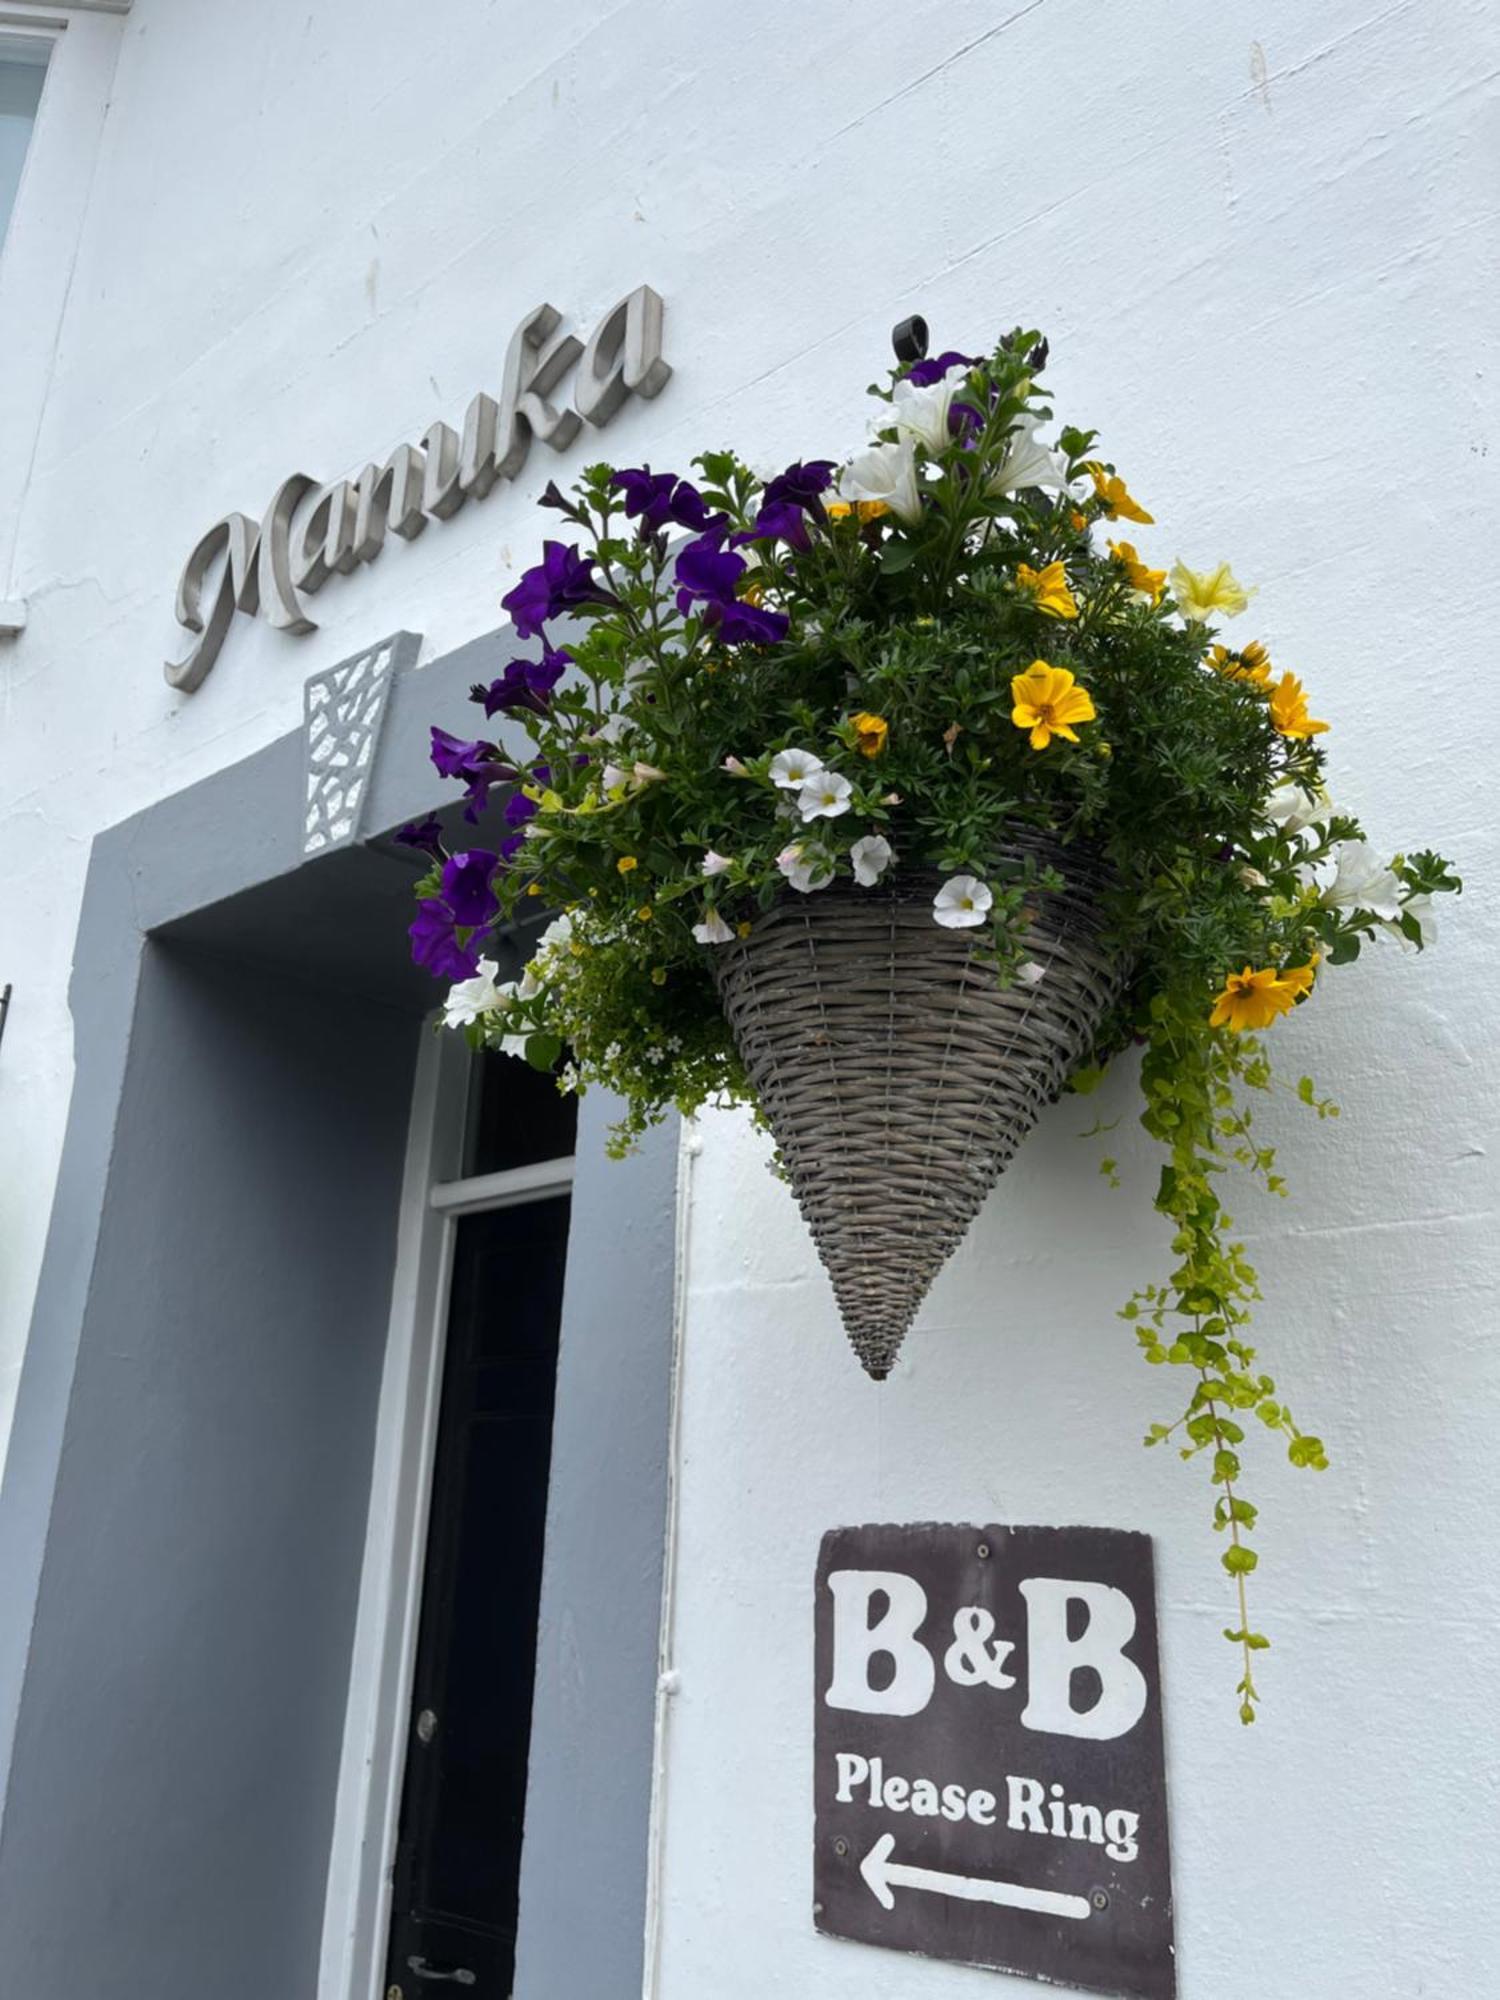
(882, 1875)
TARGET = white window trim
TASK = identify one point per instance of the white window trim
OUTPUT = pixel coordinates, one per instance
(357, 1912)
(42, 245)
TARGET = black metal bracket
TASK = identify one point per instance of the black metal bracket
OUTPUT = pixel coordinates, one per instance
(910, 339)
(4, 1007)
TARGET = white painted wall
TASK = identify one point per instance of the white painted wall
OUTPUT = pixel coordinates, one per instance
(1262, 237)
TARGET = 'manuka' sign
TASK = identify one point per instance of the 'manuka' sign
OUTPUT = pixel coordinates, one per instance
(990, 1784)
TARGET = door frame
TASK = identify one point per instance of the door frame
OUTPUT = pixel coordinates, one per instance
(434, 1196)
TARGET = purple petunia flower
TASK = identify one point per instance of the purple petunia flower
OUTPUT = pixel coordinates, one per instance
(525, 684)
(741, 624)
(777, 521)
(923, 373)
(706, 569)
(424, 834)
(466, 886)
(562, 581)
(435, 943)
(454, 757)
(519, 809)
(659, 498)
(802, 485)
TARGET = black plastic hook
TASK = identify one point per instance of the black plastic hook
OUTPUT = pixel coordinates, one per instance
(910, 339)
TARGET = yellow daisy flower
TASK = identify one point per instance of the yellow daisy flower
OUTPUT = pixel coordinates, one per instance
(1147, 583)
(870, 733)
(1289, 709)
(1048, 701)
(1251, 1000)
(1252, 663)
(1048, 588)
(1115, 495)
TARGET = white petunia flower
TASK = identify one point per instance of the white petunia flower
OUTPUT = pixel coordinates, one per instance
(1293, 808)
(1361, 881)
(885, 472)
(470, 998)
(613, 778)
(713, 930)
(806, 866)
(1029, 973)
(962, 903)
(1419, 907)
(715, 864)
(871, 857)
(791, 769)
(618, 725)
(824, 796)
(1028, 462)
(559, 931)
(530, 985)
(922, 413)
(646, 773)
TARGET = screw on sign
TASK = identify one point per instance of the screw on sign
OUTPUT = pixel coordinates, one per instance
(990, 1782)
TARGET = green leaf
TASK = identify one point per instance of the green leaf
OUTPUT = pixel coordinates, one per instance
(543, 1051)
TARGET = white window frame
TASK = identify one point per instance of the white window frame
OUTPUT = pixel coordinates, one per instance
(41, 248)
(357, 1912)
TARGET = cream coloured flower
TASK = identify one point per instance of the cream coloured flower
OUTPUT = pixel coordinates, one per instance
(885, 472)
(470, 998)
(1361, 881)
(1293, 808)
(1202, 594)
(1028, 462)
(715, 864)
(825, 795)
(806, 866)
(871, 857)
(713, 930)
(962, 903)
(922, 413)
(791, 769)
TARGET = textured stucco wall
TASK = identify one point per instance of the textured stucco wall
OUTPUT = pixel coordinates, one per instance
(1262, 238)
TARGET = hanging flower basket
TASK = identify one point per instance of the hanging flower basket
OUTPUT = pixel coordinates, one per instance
(889, 799)
(896, 1073)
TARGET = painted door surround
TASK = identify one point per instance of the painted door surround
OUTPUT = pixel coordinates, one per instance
(183, 1516)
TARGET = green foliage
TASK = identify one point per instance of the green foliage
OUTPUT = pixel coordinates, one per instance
(903, 663)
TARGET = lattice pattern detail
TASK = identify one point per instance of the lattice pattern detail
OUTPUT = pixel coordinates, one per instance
(344, 710)
(898, 1077)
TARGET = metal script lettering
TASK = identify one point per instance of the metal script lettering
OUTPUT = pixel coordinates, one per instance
(310, 531)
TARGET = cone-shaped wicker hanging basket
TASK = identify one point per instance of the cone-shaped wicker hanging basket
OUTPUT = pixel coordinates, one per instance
(898, 1076)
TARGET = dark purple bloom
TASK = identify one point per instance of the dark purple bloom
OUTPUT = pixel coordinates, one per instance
(923, 373)
(453, 757)
(802, 485)
(435, 942)
(426, 834)
(466, 886)
(525, 684)
(512, 844)
(777, 521)
(659, 498)
(519, 809)
(965, 421)
(561, 581)
(706, 569)
(741, 624)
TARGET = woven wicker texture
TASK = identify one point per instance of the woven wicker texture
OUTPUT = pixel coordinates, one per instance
(898, 1076)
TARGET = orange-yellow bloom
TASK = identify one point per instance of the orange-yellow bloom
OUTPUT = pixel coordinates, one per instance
(1115, 494)
(1298, 979)
(1048, 701)
(1289, 709)
(1149, 582)
(1048, 588)
(870, 732)
(1252, 664)
(1252, 1000)
(868, 510)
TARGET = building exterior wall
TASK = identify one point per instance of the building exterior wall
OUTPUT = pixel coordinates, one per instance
(1262, 239)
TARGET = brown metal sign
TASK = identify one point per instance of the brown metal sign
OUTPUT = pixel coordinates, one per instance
(990, 1783)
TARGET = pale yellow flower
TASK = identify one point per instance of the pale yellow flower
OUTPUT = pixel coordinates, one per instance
(1200, 594)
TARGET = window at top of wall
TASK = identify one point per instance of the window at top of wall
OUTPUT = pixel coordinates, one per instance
(23, 70)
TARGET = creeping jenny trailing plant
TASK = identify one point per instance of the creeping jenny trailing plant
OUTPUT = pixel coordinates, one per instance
(744, 689)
